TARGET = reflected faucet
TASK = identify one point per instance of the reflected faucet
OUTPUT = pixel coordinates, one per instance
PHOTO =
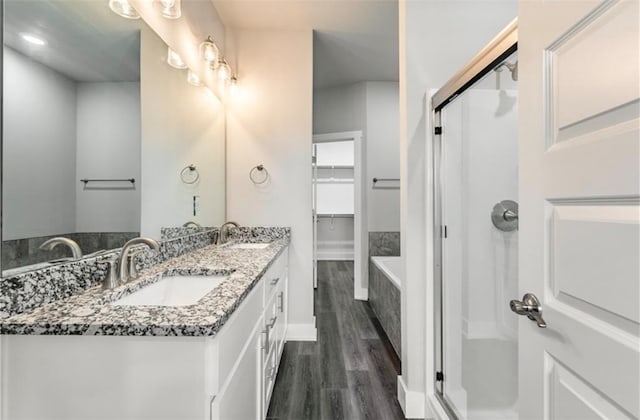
(224, 231)
(54, 242)
(192, 223)
(123, 267)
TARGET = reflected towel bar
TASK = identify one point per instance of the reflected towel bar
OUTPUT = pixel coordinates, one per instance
(376, 180)
(131, 180)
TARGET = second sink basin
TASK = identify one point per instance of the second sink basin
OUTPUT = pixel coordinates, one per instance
(172, 291)
(250, 246)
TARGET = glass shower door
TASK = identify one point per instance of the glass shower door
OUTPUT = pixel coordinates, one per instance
(479, 178)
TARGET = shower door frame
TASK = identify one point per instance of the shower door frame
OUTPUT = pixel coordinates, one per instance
(494, 53)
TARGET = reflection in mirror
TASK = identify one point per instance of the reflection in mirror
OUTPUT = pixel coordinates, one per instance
(71, 111)
(88, 95)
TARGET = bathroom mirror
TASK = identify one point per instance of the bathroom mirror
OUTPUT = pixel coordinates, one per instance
(96, 130)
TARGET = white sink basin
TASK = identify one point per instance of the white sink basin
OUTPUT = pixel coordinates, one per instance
(250, 246)
(172, 291)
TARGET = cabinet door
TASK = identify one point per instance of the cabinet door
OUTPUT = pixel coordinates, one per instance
(240, 398)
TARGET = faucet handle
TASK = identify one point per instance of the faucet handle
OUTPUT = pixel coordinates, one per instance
(111, 278)
(133, 269)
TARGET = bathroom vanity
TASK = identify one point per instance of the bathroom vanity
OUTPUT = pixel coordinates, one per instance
(104, 355)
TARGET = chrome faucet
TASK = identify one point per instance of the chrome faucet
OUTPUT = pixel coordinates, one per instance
(223, 234)
(192, 223)
(124, 262)
(49, 244)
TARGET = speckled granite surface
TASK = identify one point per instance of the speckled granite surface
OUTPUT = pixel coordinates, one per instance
(90, 313)
(28, 290)
(258, 234)
(178, 231)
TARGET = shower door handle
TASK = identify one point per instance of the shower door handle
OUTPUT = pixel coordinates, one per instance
(529, 306)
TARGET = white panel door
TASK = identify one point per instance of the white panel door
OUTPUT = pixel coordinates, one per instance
(579, 208)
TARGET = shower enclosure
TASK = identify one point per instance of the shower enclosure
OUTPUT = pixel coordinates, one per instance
(476, 175)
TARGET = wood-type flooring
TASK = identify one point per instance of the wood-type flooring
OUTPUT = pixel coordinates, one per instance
(350, 372)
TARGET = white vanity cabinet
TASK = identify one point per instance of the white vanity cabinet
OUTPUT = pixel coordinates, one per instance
(225, 377)
(246, 392)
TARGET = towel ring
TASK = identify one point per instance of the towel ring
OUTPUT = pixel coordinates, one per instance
(189, 174)
(254, 174)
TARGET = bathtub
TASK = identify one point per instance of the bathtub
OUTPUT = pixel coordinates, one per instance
(385, 284)
(391, 267)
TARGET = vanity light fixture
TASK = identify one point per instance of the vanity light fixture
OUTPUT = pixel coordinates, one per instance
(124, 9)
(209, 52)
(32, 39)
(193, 78)
(174, 59)
(170, 9)
(224, 70)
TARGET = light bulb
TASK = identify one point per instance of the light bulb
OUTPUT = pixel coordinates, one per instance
(209, 52)
(124, 9)
(193, 78)
(170, 8)
(174, 59)
(224, 71)
(233, 86)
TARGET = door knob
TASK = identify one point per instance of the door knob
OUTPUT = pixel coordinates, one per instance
(529, 306)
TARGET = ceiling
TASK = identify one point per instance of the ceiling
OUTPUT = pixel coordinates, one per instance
(354, 40)
(85, 40)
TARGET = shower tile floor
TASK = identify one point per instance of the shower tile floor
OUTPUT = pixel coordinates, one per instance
(350, 372)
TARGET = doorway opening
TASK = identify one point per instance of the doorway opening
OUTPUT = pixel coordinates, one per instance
(337, 199)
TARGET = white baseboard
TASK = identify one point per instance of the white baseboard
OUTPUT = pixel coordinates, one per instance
(335, 256)
(302, 332)
(411, 402)
(335, 250)
(361, 293)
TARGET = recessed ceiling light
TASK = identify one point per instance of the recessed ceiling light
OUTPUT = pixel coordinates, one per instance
(32, 39)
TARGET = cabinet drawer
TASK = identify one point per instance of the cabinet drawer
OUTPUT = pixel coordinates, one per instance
(281, 323)
(269, 376)
(275, 276)
(235, 333)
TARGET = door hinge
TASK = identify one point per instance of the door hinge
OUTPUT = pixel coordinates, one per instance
(439, 377)
(437, 130)
(443, 230)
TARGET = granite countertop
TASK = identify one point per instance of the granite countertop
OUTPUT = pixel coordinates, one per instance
(90, 313)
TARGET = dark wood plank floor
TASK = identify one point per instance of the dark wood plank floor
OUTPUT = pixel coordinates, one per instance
(350, 372)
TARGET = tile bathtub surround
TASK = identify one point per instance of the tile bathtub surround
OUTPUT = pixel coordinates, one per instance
(90, 314)
(384, 298)
(384, 244)
(29, 290)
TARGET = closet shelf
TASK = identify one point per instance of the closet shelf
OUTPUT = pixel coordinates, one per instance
(334, 181)
(334, 166)
(324, 215)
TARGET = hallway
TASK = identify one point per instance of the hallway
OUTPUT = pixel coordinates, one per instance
(350, 372)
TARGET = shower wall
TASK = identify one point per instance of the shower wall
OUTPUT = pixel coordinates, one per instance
(487, 174)
(479, 169)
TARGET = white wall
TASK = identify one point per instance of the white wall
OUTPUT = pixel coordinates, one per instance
(39, 141)
(383, 155)
(270, 123)
(371, 107)
(108, 146)
(181, 125)
(340, 108)
(437, 38)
